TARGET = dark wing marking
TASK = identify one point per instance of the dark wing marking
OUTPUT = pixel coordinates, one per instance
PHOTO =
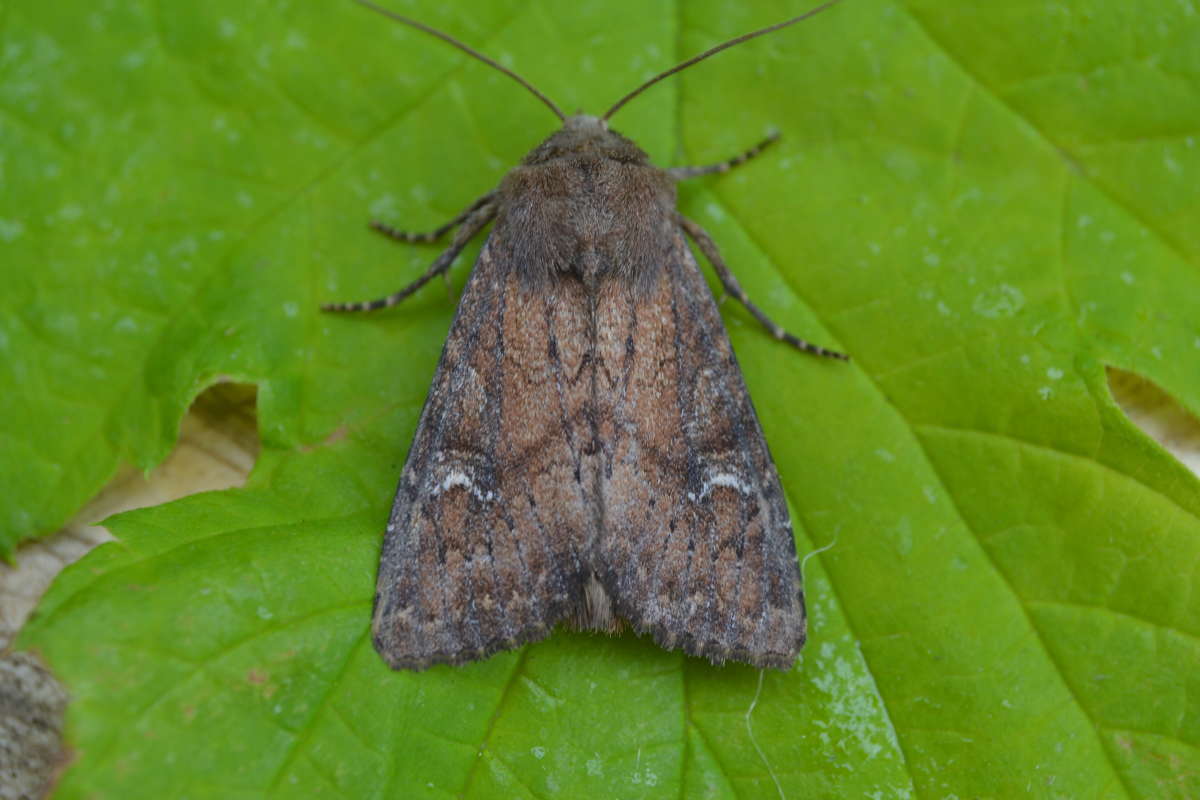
(482, 549)
(697, 546)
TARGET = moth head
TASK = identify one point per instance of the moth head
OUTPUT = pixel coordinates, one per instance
(585, 123)
(585, 134)
(584, 119)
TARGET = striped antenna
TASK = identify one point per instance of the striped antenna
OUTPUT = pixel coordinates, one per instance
(712, 52)
(445, 37)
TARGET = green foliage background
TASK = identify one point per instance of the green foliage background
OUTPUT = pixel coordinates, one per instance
(984, 203)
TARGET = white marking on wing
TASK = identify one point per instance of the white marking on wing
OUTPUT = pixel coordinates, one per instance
(459, 478)
(730, 480)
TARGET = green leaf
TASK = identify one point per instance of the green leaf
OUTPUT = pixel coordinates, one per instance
(985, 204)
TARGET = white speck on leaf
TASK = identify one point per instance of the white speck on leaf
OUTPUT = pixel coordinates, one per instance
(63, 323)
(133, 59)
(184, 247)
(853, 716)
(999, 301)
(419, 192)
(903, 536)
(11, 229)
(383, 206)
(970, 194)
(544, 701)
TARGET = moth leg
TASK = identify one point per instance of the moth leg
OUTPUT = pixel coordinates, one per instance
(709, 248)
(431, 236)
(683, 173)
(471, 225)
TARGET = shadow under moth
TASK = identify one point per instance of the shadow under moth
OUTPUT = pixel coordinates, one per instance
(588, 451)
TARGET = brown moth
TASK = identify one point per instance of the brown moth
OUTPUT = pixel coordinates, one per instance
(588, 450)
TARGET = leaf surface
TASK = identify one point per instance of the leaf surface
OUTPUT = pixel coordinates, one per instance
(983, 205)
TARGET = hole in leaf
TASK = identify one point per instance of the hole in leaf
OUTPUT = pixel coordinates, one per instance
(1158, 415)
(217, 448)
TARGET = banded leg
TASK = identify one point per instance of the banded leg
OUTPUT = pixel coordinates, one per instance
(709, 248)
(471, 225)
(683, 173)
(431, 236)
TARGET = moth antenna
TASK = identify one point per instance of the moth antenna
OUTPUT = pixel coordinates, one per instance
(445, 37)
(712, 51)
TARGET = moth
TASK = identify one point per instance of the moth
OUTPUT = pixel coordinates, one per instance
(588, 451)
